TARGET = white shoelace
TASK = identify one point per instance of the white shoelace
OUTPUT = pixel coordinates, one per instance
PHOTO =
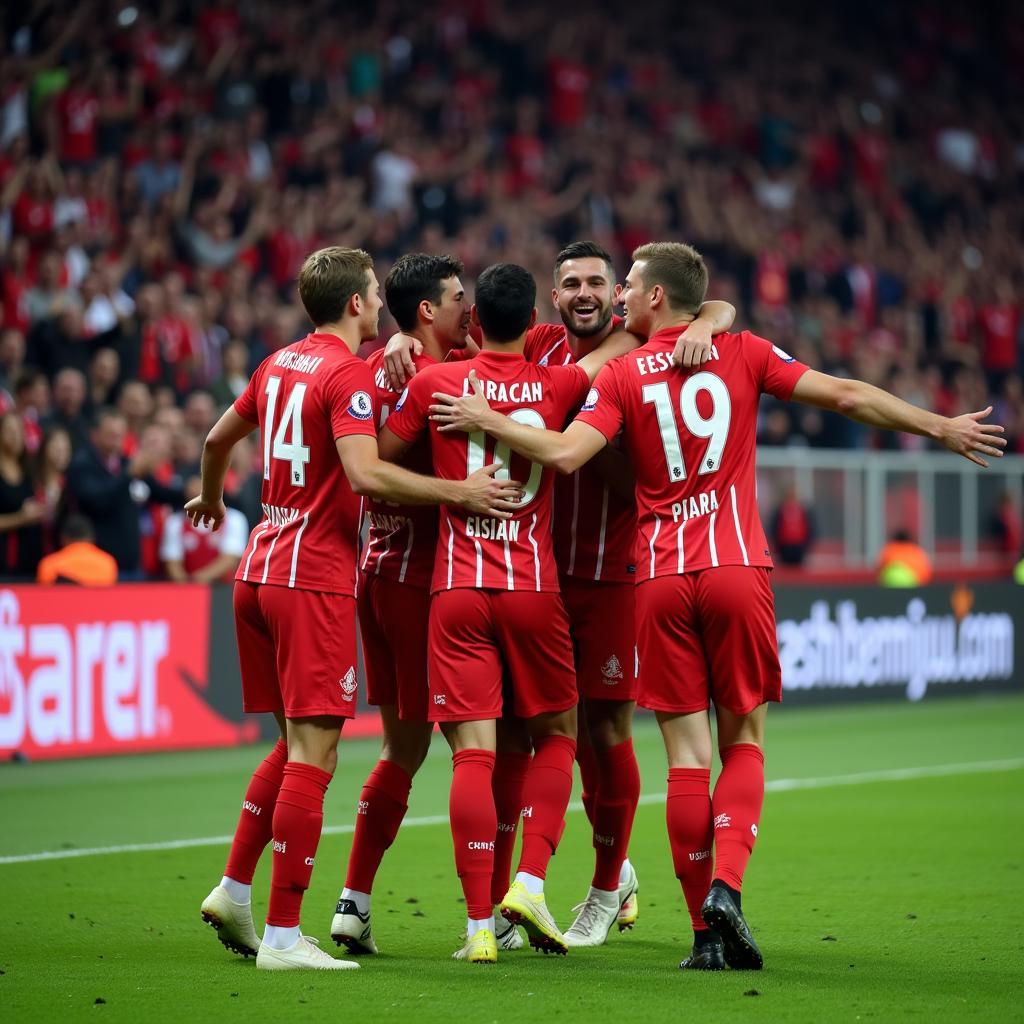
(590, 913)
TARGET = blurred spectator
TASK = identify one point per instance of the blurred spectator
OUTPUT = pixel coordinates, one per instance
(52, 461)
(21, 514)
(1005, 526)
(78, 561)
(68, 407)
(903, 563)
(243, 485)
(792, 529)
(232, 382)
(109, 489)
(195, 554)
(104, 374)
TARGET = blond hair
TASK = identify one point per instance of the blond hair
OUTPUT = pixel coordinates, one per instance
(679, 269)
(329, 278)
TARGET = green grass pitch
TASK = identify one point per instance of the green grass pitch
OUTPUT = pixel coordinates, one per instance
(890, 896)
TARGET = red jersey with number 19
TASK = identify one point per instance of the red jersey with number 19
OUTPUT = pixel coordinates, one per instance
(691, 436)
(481, 551)
(304, 397)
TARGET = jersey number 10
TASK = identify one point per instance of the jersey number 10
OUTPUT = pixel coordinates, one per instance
(476, 454)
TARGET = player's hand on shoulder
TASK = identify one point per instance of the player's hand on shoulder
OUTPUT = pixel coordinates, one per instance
(461, 412)
(206, 513)
(972, 438)
(398, 359)
(693, 347)
(489, 496)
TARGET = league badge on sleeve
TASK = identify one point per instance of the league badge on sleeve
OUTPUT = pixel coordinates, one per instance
(361, 405)
(401, 400)
(591, 401)
(783, 354)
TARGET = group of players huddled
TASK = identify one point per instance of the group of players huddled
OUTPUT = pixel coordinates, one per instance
(567, 576)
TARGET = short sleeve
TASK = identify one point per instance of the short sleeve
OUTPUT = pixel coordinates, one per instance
(409, 419)
(172, 547)
(604, 409)
(572, 384)
(547, 345)
(245, 404)
(775, 370)
(348, 398)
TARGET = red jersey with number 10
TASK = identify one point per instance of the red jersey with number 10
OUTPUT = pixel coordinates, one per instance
(482, 551)
(304, 397)
(692, 438)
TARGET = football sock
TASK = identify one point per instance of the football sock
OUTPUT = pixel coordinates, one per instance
(534, 884)
(240, 892)
(614, 809)
(624, 871)
(688, 816)
(472, 927)
(298, 819)
(590, 778)
(474, 824)
(382, 806)
(545, 798)
(507, 785)
(605, 898)
(360, 899)
(255, 823)
(736, 806)
(280, 938)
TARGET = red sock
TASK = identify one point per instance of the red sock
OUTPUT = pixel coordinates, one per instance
(545, 798)
(614, 811)
(474, 825)
(255, 824)
(688, 816)
(590, 778)
(382, 806)
(298, 818)
(736, 806)
(507, 785)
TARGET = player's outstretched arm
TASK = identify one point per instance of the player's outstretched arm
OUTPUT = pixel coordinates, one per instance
(399, 353)
(966, 435)
(208, 508)
(694, 345)
(369, 475)
(564, 452)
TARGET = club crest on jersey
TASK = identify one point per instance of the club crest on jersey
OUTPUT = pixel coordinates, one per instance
(361, 405)
(612, 671)
(591, 401)
(782, 354)
(348, 684)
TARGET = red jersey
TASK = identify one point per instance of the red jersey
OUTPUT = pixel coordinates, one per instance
(402, 538)
(481, 551)
(691, 436)
(304, 396)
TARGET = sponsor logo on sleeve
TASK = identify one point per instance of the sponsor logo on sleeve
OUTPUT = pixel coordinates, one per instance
(361, 405)
(591, 401)
(782, 354)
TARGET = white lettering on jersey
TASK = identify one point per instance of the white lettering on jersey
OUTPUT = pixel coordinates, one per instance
(659, 362)
(291, 360)
(487, 528)
(696, 505)
(518, 392)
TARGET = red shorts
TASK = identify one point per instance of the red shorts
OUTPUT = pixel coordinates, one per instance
(473, 631)
(708, 636)
(603, 629)
(297, 650)
(393, 624)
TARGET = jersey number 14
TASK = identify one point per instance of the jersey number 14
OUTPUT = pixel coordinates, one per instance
(275, 442)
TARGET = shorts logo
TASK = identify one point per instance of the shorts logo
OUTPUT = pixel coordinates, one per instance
(440, 698)
(591, 401)
(361, 405)
(348, 684)
(782, 354)
(612, 671)
(280, 847)
(401, 400)
(723, 821)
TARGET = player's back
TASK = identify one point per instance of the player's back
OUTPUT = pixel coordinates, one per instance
(691, 436)
(483, 551)
(304, 397)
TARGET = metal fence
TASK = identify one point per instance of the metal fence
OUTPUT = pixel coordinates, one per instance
(859, 498)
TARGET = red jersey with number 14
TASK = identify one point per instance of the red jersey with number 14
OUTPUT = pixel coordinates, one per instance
(304, 397)
(481, 551)
(691, 436)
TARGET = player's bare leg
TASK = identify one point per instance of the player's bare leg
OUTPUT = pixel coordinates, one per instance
(606, 749)
(297, 823)
(474, 825)
(736, 807)
(514, 753)
(545, 799)
(383, 802)
(228, 908)
(688, 818)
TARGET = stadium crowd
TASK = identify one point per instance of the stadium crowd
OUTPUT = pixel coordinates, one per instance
(853, 176)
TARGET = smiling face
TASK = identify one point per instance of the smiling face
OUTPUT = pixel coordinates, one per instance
(584, 295)
(451, 313)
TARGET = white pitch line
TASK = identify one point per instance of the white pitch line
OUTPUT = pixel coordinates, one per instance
(934, 771)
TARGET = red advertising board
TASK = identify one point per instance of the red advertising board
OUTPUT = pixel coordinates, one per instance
(104, 671)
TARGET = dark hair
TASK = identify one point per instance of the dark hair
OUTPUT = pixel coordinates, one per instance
(584, 251)
(329, 278)
(29, 377)
(76, 527)
(414, 278)
(679, 269)
(104, 413)
(505, 298)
